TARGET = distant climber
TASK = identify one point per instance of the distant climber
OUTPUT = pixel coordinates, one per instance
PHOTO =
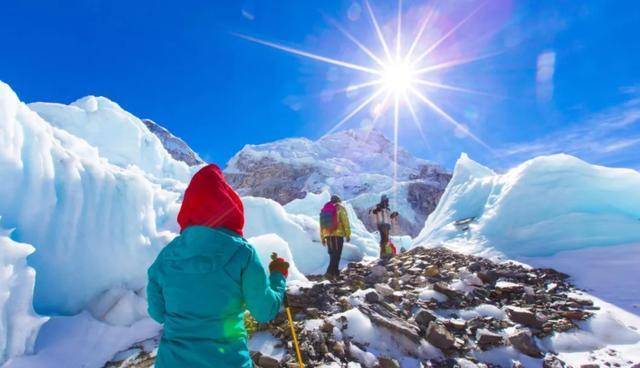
(203, 280)
(334, 228)
(384, 219)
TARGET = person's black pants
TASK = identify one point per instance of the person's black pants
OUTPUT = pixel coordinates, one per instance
(334, 246)
(384, 230)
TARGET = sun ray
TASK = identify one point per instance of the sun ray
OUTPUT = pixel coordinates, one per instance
(355, 87)
(351, 88)
(448, 118)
(399, 30)
(415, 119)
(423, 26)
(456, 62)
(308, 54)
(383, 107)
(448, 34)
(454, 88)
(396, 74)
(378, 30)
(355, 111)
(396, 123)
(355, 41)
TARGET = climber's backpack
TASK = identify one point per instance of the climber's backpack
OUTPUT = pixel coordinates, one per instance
(329, 217)
(390, 249)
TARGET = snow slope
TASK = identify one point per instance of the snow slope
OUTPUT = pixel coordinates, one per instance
(606, 272)
(19, 324)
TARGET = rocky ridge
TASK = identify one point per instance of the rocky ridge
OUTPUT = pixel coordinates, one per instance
(435, 306)
(177, 148)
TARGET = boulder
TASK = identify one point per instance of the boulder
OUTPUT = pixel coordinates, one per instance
(266, 361)
(372, 297)
(524, 316)
(509, 287)
(338, 349)
(474, 266)
(456, 324)
(575, 314)
(486, 338)
(383, 289)
(488, 277)
(552, 361)
(424, 317)
(384, 362)
(522, 340)
(438, 336)
(442, 288)
(431, 271)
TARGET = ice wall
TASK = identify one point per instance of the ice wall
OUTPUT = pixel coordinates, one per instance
(19, 324)
(543, 206)
(95, 225)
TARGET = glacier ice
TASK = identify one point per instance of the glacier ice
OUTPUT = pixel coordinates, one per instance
(543, 206)
(97, 222)
(19, 324)
(95, 225)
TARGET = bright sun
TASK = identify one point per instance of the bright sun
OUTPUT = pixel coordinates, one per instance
(398, 77)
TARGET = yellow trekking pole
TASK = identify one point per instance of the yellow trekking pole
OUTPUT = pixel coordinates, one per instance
(293, 332)
(274, 256)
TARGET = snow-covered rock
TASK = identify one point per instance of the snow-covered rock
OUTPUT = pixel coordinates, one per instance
(19, 324)
(543, 206)
(178, 149)
(96, 223)
(357, 164)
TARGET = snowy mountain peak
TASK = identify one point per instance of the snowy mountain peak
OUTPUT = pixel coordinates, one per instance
(356, 164)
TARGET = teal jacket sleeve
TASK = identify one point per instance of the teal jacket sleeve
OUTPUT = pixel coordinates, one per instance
(155, 298)
(263, 296)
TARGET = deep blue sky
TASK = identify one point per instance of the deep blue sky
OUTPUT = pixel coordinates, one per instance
(570, 71)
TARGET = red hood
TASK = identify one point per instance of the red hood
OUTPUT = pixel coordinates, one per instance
(210, 201)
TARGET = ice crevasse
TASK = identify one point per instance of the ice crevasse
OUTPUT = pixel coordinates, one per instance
(543, 206)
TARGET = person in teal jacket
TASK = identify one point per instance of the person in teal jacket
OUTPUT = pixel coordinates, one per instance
(202, 282)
